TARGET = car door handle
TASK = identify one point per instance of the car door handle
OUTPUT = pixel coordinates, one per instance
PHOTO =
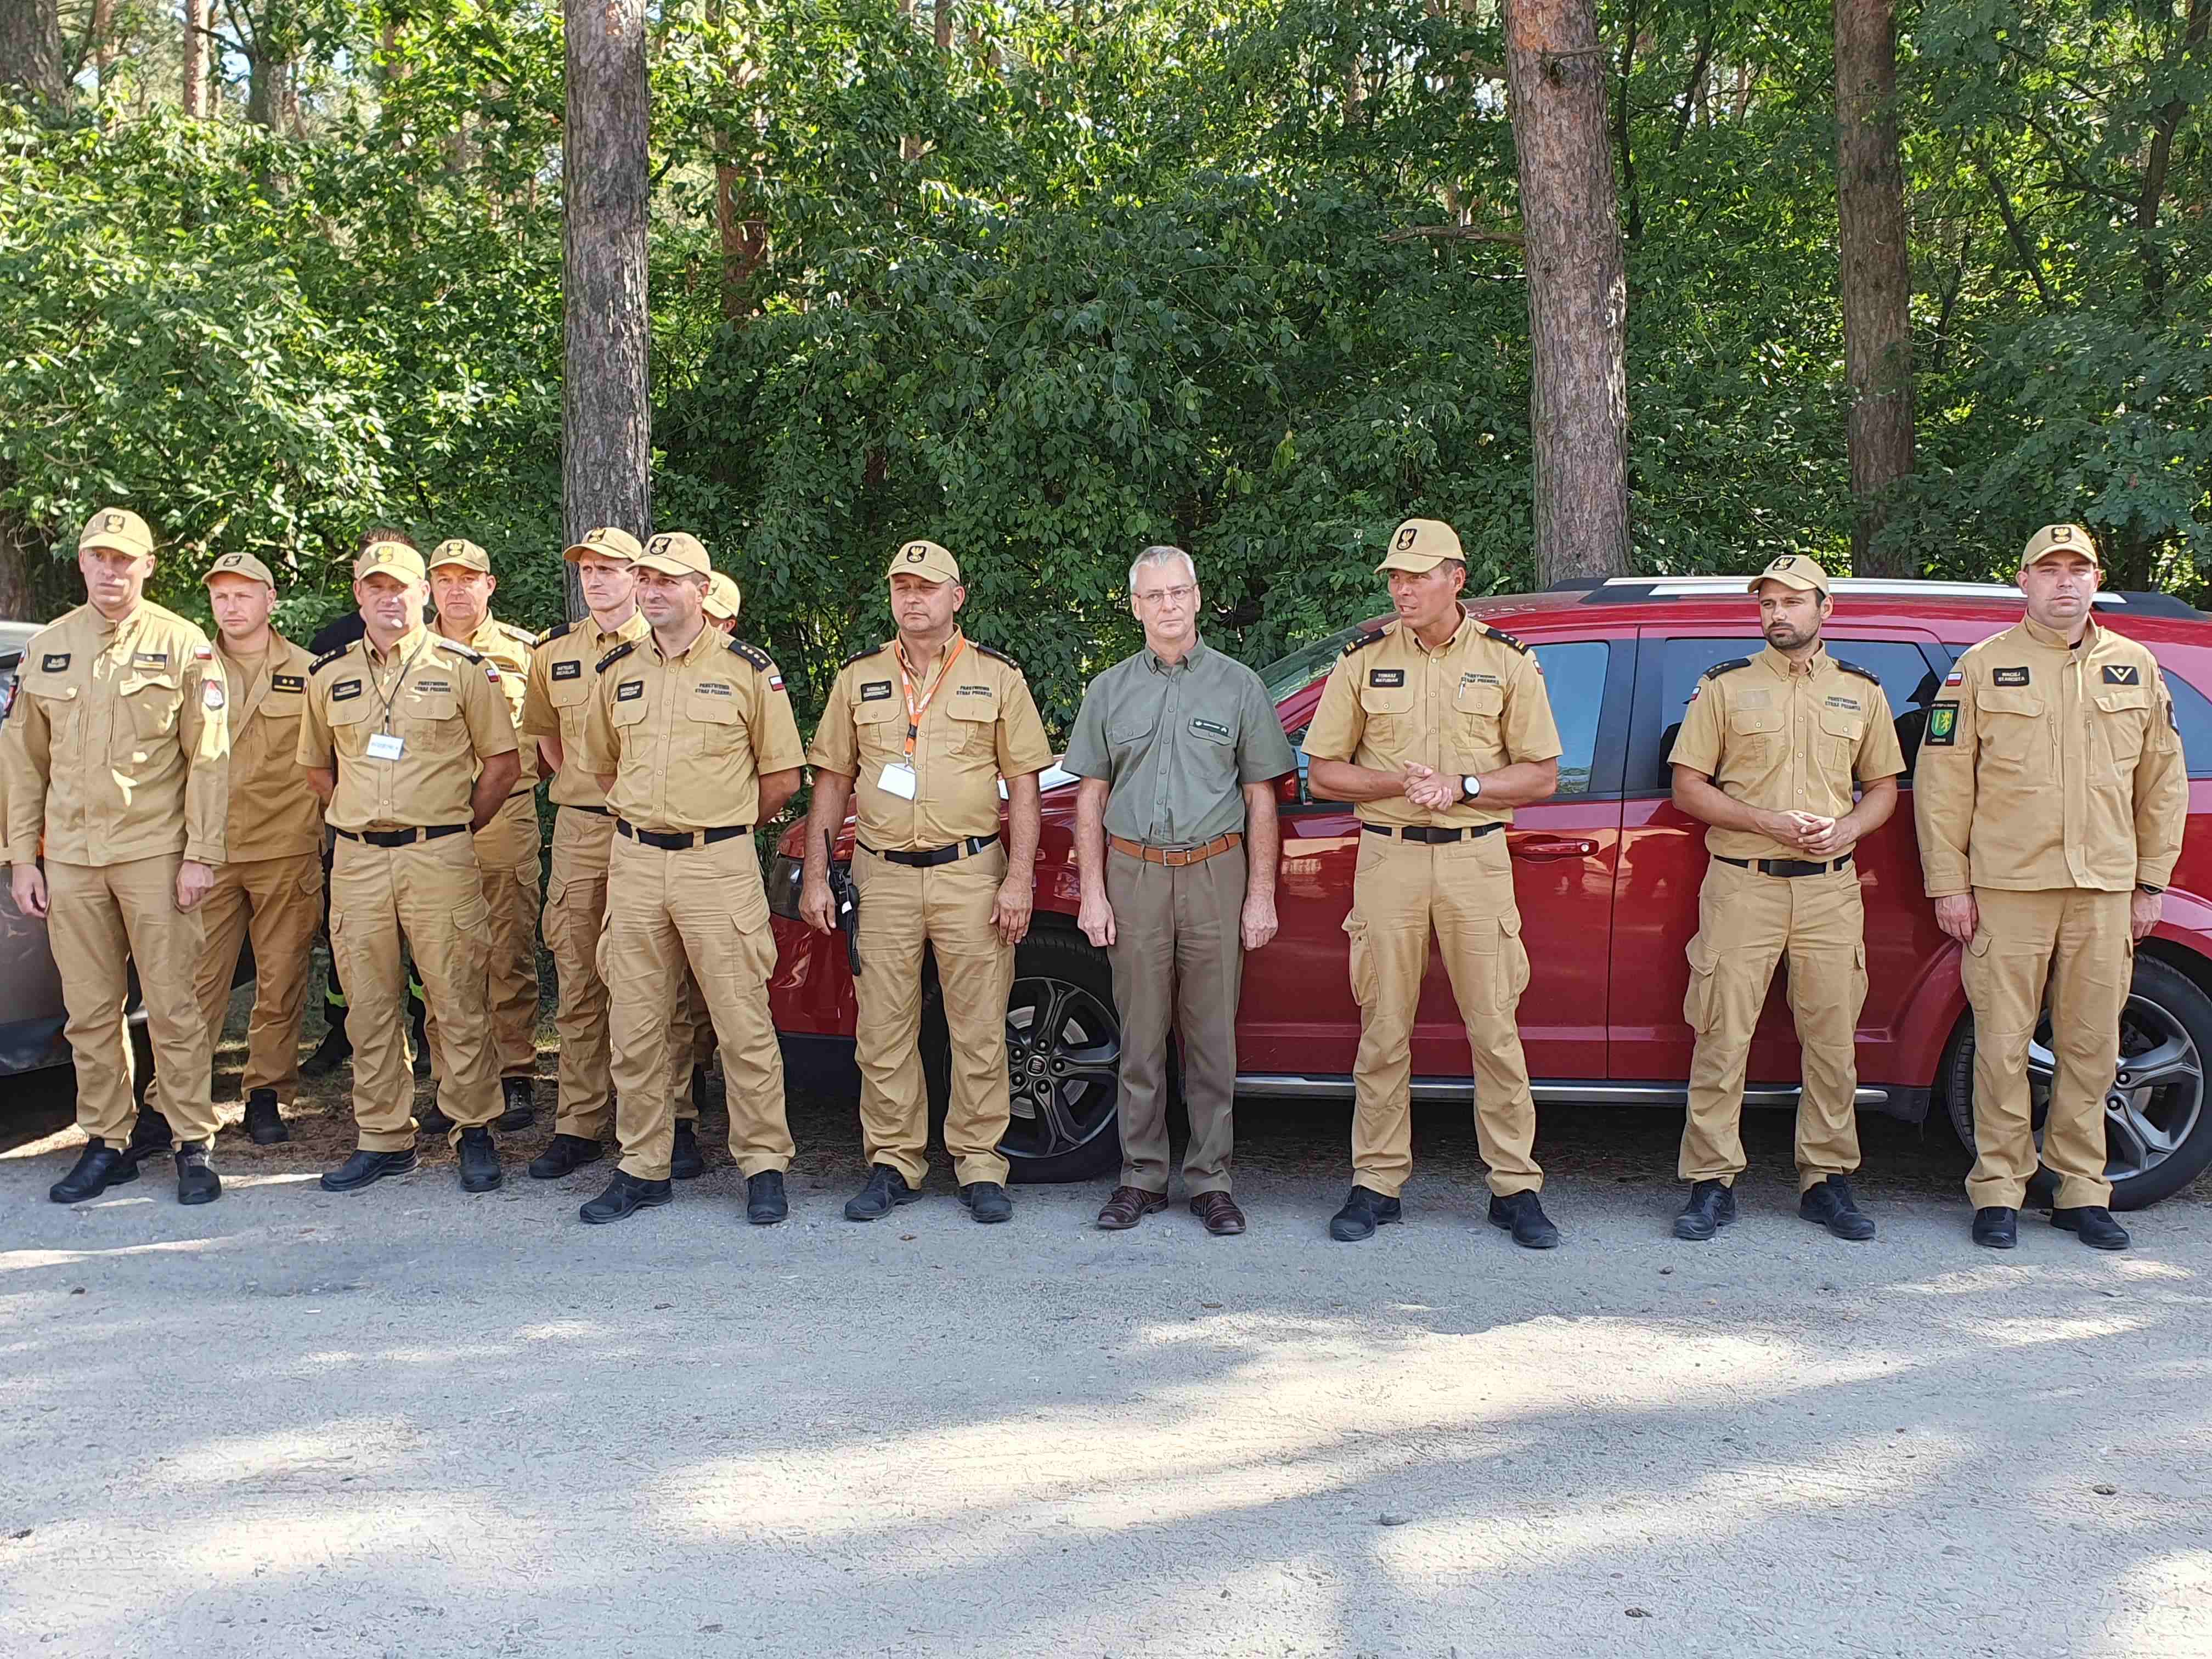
(1548, 849)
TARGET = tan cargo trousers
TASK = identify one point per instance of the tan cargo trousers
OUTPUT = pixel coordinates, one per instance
(948, 908)
(2077, 944)
(1462, 892)
(703, 906)
(575, 917)
(507, 852)
(101, 918)
(1178, 956)
(278, 903)
(1746, 922)
(429, 894)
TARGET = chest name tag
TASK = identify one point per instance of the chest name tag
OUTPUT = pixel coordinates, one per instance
(1843, 702)
(712, 689)
(433, 685)
(54, 664)
(386, 745)
(345, 690)
(897, 778)
(1210, 729)
(568, 671)
(150, 658)
(2122, 673)
(975, 691)
(876, 691)
(629, 691)
(287, 681)
(1386, 677)
(2009, 677)
(1478, 679)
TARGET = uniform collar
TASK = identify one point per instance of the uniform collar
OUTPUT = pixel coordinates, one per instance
(402, 648)
(1190, 658)
(130, 618)
(1783, 668)
(1457, 633)
(632, 627)
(709, 636)
(2051, 639)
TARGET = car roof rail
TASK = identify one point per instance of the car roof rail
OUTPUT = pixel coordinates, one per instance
(1629, 589)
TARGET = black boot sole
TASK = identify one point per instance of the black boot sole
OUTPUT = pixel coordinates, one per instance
(907, 1197)
(125, 1173)
(413, 1163)
(278, 1139)
(207, 1195)
(1343, 1234)
(482, 1184)
(567, 1169)
(1549, 1242)
(623, 1214)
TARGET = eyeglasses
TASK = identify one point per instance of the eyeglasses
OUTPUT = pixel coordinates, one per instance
(1180, 595)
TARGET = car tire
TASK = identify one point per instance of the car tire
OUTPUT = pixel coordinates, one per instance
(1066, 1124)
(2158, 1120)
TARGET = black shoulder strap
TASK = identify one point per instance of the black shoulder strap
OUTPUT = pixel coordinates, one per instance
(558, 631)
(996, 655)
(616, 655)
(457, 649)
(1863, 673)
(1507, 639)
(1364, 639)
(327, 658)
(753, 654)
(1727, 667)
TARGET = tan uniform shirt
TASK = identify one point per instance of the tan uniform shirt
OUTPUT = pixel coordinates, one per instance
(2047, 765)
(687, 738)
(981, 724)
(1475, 704)
(556, 702)
(1788, 738)
(119, 745)
(507, 648)
(441, 700)
(273, 813)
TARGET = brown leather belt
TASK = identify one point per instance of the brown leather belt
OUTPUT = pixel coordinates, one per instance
(1784, 867)
(1176, 858)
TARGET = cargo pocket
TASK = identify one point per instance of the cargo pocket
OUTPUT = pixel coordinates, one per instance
(472, 917)
(1973, 962)
(1699, 1000)
(1362, 961)
(755, 951)
(1512, 957)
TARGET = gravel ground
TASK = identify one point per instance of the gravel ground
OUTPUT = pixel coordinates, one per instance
(411, 1422)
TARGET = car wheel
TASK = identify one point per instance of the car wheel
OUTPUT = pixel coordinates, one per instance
(2157, 1130)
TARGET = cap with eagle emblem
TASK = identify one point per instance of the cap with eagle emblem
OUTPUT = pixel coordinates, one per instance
(924, 559)
(119, 529)
(1419, 545)
(2058, 538)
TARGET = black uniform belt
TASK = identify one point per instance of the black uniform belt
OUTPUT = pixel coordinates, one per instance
(1429, 833)
(1784, 867)
(678, 843)
(403, 837)
(936, 856)
(597, 811)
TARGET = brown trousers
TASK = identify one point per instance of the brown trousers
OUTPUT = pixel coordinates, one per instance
(948, 908)
(99, 918)
(703, 907)
(278, 903)
(508, 851)
(575, 917)
(1746, 923)
(426, 898)
(1178, 956)
(1462, 892)
(2077, 944)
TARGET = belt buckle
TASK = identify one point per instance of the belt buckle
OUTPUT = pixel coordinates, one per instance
(1173, 858)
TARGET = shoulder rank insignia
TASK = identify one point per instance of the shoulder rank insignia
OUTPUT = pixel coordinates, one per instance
(861, 655)
(327, 658)
(996, 655)
(615, 655)
(1507, 639)
(1727, 667)
(558, 631)
(1362, 641)
(753, 654)
(1853, 668)
(457, 649)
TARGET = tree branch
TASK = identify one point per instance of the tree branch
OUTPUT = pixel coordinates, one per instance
(1454, 234)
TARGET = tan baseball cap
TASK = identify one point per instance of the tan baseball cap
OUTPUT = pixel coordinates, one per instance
(1421, 544)
(608, 542)
(239, 564)
(676, 553)
(390, 559)
(119, 528)
(723, 598)
(926, 559)
(466, 554)
(2059, 538)
(1793, 570)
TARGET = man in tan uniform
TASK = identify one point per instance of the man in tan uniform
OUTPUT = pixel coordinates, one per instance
(1176, 846)
(920, 729)
(2051, 798)
(270, 889)
(118, 752)
(1437, 727)
(1768, 749)
(509, 848)
(407, 740)
(691, 735)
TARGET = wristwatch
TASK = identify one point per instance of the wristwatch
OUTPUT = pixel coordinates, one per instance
(1469, 786)
(2145, 887)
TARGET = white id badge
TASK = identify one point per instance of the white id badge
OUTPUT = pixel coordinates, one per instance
(386, 745)
(898, 780)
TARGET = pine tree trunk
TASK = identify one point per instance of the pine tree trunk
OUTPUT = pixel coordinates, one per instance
(606, 411)
(196, 58)
(1877, 276)
(31, 50)
(1577, 287)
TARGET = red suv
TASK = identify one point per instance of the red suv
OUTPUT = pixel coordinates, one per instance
(1607, 873)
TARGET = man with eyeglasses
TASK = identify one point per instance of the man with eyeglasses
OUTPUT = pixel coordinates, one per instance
(1178, 748)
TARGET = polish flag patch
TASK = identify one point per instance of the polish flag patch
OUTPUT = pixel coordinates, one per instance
(775, 682)
(491, 671)
(203, 654)
(1956, 676)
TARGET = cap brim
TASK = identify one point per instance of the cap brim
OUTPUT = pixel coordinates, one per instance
(667, 566)
(1414, 563)
(112, 545)
(576, 552)
(1803, 584)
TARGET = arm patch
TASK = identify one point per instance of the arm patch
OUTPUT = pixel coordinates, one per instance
(615, 655)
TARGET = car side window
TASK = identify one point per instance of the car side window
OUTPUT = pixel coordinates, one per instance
(1573, 679)
(2192, 718)
(1907, 678)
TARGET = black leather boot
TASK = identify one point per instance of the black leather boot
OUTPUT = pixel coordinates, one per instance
(685, 1162)
(520, 1095)
(480, 1170)
(885, 1191)
(197, 1181)
(1712, 1208)
(626, 1195)
(1363, 1212)
(264, 1124)
(565, 1155)
(98, 1167)
(765, 1203)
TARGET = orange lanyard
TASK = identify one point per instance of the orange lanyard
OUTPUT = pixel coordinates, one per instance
(916, 710)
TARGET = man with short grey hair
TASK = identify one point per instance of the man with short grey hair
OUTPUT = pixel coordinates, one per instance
(1178, 748)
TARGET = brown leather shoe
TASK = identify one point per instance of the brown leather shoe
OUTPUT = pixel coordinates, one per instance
(1219, 1212)
(1129, 1206)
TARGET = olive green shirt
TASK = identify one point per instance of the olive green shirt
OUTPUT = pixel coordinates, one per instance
(1176, 744)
